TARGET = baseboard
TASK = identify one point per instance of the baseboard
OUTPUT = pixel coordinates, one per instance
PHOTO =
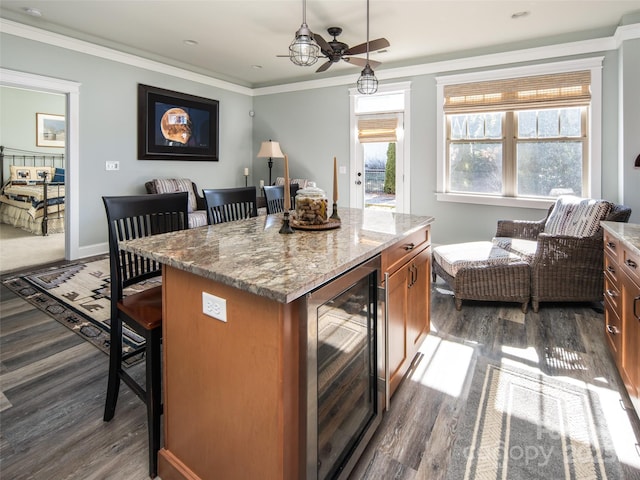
(92, 250)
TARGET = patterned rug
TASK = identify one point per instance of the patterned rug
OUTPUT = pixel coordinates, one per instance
(522, 424)
(76, 295)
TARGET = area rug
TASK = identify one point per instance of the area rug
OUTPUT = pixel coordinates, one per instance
(522, 424)
(76, 295)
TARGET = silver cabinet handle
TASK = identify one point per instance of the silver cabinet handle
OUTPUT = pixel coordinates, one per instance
(612, 330)
(630, 263)
(611, 293)
(387, 374)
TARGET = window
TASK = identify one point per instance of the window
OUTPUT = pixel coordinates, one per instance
(518, 139)
(549, 152)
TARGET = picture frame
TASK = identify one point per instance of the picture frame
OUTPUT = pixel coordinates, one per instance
(176, 126)
(51, 130)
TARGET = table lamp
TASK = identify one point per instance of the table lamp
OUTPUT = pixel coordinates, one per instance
(270, 150)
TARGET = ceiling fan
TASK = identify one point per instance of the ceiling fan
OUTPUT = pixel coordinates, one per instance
(336, 50)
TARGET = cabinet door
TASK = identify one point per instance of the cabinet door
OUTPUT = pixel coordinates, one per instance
(631, 337)
(397, 303)
(418, 303)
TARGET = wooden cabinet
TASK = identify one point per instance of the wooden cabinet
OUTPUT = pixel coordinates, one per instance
(622, 312)
(408, 285)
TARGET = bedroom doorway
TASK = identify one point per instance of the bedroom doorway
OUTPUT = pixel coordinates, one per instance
(65, 246)
(23, 245)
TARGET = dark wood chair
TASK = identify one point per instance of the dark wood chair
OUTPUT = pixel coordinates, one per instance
(228, 204)
(274, 196)
(132, 217)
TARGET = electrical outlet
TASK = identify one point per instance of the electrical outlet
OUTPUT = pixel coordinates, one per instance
(215, 307)
(112, 165)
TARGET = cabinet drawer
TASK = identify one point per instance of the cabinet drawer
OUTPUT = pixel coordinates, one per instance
(611, 267)
(402, 251)
(613, 332)
(611, 245)
(630, 264)
(612, 295)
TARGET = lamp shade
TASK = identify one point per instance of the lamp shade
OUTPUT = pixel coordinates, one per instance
(270, 150)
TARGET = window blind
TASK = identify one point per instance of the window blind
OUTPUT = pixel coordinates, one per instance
(379, 129)
(566, 89)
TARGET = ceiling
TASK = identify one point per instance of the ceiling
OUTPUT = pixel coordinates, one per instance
(238, 41)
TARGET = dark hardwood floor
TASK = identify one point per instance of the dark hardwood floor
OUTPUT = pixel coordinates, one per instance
(52, 386)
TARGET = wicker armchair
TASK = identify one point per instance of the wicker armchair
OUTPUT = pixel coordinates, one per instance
(563, 269)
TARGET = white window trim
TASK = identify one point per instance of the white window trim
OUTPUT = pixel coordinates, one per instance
(405, 168)
(595, 129)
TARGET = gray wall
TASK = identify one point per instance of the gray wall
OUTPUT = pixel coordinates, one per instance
(312, 127)
(629, 104)
(18, 117)
(108, 127)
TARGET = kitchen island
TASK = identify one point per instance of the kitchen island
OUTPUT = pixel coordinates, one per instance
(235, 390)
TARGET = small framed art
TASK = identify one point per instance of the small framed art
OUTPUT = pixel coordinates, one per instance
(50, 130)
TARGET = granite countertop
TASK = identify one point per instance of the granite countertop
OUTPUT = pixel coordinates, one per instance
(253, 256)
(628, 233)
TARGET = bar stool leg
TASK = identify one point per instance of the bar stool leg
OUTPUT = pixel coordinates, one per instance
(115, 359)
(154, 394)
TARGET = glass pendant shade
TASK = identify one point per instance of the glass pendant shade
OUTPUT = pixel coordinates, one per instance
(303, 50)
(367, 83)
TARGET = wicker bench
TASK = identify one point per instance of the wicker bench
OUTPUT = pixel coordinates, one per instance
(483, 271)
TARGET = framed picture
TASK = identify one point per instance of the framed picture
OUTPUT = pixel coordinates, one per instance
(176, 126)
(50, 130)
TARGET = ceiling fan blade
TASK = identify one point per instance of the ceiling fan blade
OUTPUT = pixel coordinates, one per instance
(361, 62)
(324, 46)
(377, 44)
(324, 66)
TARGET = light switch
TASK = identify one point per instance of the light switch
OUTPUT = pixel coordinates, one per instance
(112, 165)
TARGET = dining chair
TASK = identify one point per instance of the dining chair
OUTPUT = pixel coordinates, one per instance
(274, 196)
(131, 217)
(228, 204)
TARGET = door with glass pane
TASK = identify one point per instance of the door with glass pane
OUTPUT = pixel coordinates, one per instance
(379, 165)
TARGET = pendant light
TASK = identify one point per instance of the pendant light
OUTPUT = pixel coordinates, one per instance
(303, 50)
(367, 83)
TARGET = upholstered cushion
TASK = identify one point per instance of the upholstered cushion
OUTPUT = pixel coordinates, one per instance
(576, 217)
(197, 218)
(30, 174)
(472, 254)
(171, 185)
(525, 249)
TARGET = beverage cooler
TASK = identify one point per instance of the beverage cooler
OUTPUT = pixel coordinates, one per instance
(345, 370)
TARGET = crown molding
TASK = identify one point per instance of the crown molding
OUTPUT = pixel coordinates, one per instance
(622, 33)
(63, 41)
(626, 32)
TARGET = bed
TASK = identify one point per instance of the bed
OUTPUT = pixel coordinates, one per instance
(33, 190)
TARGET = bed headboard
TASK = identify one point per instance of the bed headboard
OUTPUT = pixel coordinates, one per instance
(26, 158)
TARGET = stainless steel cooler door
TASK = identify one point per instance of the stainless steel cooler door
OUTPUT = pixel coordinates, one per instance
(344, 399)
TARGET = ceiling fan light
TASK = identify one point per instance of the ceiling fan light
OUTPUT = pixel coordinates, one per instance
(303, 50)
(367, 83)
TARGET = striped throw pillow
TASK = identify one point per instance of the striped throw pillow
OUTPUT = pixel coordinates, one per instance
(576, 217)
(172, 185)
